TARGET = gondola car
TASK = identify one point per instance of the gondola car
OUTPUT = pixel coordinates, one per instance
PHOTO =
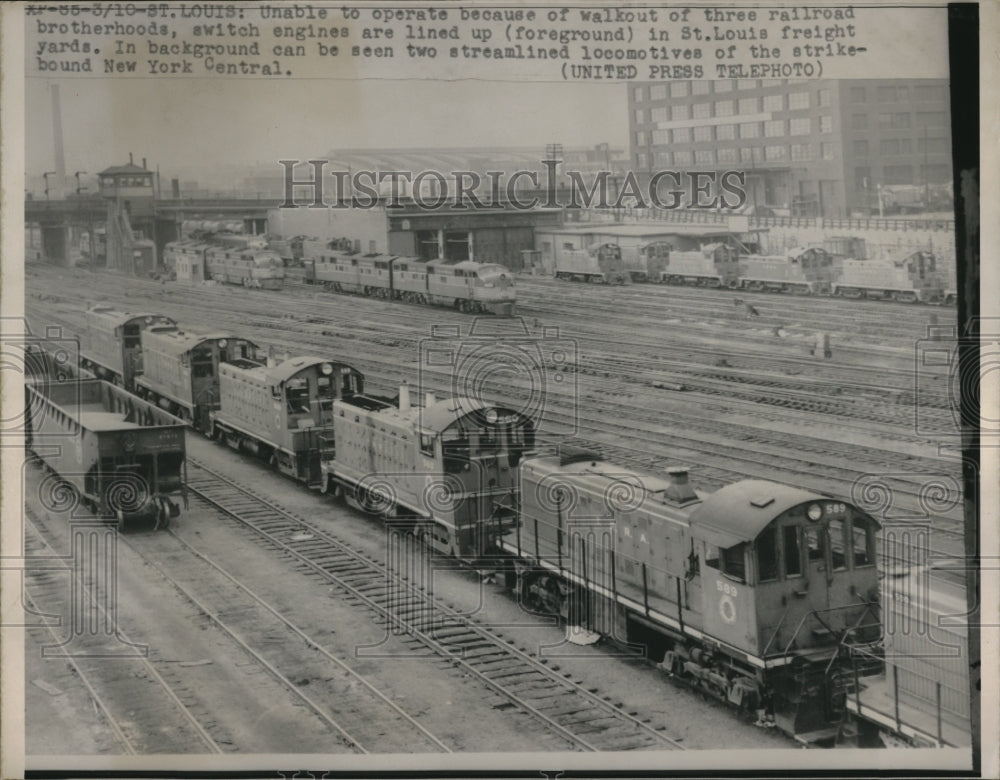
(601, 263)
(800, 270)
(714, 265)
(283, 413)
(745, 592)
(448, 468)
(123, 457)
(181, 370)
(908, 275)
(111, 343)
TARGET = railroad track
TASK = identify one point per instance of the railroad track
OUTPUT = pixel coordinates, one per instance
(580, 715)
(147, 707)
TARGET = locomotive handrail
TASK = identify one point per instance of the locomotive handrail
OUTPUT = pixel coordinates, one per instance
(777, 627)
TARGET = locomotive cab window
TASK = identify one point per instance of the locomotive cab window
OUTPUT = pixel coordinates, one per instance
(734, 562)
(814, 544)
(767, 555)
(863, 543)
(838, 555)
(792, 550)
(297, 396)
(712, 556)
(427, 444)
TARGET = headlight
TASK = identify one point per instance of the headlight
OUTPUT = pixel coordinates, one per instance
(327, 369)
(815, 512)
(222, 343)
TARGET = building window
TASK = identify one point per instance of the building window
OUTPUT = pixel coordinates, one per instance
(726, 85)
(931, 119)
(823, 97)
(862, 177)
(750, 130)
(802, 152)
(704, 156)
(724, 108)
(725, 132)
(640, 115)
(703, 133)
(898, 174)
(749, 105)
(682, 135)
(701, 110)
(896, 146)
(857, 94)
(728, 154)
(826, 150)
(680, 112)
(893, 94)
(797, 100)
(935, 173)
(774, 128)
(932, 144)
(663, 158)
(660, 114)
(640, 138)
(683, 157)
(679, 89)
(826, 124)
(775, 153)
(658, 92)
(859, 121)
(661, 137)
(774, 102)
(928, 93)
(701, 87)
(860, 148)
(751, 154)
(894, 121)
(800, 126)
(642, 161)
(639, 93)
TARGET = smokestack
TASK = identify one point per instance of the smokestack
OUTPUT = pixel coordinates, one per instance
(144, 163)
(57, 133)
(130, 158)
(404, 397)
(680, 489)
(430, 400)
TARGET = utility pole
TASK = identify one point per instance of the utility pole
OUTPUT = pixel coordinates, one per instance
(927, 200)
(46, 177)
(90, 224)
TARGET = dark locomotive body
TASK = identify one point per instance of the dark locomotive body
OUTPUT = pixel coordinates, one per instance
(111, 344)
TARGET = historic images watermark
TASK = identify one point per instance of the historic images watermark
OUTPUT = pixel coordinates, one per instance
(521, 189)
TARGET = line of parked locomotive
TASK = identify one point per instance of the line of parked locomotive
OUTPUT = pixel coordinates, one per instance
(761, 594)
(475, 288)
(908, 275)
(230, 258)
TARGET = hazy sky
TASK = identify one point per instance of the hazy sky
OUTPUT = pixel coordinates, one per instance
(183, 124)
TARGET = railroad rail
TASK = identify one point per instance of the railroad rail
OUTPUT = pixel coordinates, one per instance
(146, 713)
(567, 708)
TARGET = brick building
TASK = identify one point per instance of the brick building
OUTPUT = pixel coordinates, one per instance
(812, 147)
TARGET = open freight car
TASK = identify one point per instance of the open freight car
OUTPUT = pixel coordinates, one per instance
(125, 458)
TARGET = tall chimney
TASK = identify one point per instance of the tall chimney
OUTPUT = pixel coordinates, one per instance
(404, 397)
(130, 158)
(57, 133)
(144, 163)
(430, 400)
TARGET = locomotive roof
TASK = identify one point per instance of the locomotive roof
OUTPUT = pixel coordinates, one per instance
(178, 341)
(441, 415)
(739, 512)
(124, 317)
(289, 368)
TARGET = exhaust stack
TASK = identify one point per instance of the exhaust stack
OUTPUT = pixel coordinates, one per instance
(680, 489)
(430, 400)
(404, 397)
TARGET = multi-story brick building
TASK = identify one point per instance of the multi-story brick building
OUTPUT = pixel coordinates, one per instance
(807, 146)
